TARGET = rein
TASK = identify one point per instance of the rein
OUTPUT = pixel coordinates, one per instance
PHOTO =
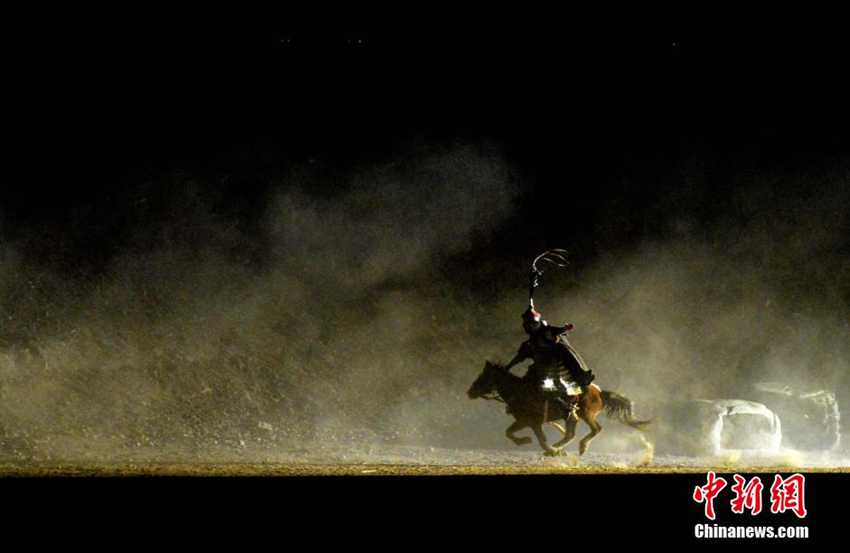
(494, 396)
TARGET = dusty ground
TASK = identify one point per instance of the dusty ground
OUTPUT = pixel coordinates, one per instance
(198, 469)
(375, 460)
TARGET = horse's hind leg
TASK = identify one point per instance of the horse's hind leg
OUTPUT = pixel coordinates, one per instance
(595, 430)
(524, 440)
(544, 443)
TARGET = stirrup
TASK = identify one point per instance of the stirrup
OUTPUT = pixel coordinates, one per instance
(572, 412)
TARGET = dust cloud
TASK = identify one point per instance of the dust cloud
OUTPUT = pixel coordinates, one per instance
(190, 345)
(354, 310)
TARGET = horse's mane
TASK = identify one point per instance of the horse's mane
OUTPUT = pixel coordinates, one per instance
(502, 369)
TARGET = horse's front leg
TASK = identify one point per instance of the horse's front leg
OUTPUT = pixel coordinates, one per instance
(524, 440)
(569, 433)
(544, 443)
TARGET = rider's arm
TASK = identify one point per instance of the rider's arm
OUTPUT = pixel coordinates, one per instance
(520, 356)
(558, 330)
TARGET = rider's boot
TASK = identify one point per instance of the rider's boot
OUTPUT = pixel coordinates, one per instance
(568, 408)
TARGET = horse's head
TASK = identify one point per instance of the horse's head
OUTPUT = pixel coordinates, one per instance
(486, 381)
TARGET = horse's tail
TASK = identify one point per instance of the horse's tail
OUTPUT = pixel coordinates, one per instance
(620, 407)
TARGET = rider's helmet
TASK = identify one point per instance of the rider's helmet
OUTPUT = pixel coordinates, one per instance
(531, 320)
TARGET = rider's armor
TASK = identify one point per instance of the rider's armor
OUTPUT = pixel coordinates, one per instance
(553, 357)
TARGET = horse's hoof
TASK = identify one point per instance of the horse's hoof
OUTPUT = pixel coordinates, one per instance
(553, 453)
(524, 441)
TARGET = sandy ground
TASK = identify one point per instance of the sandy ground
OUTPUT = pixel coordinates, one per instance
(375, 460)
(235, 469)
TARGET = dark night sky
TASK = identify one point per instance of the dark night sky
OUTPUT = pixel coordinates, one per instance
(99, 112)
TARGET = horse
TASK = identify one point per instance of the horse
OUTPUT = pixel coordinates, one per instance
(528, 406)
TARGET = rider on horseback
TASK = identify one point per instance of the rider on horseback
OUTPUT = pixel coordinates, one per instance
(548, 347)
(552, 355)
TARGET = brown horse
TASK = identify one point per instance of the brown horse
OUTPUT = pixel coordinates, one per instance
(528, 406)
